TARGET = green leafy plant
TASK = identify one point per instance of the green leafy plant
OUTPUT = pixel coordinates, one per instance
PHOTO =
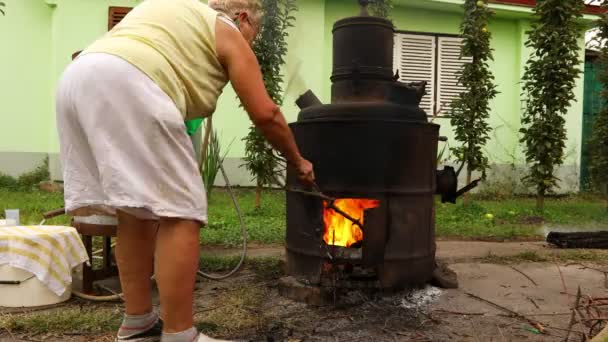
(9, 183)
(213, 160)
(471, 109)
(2, 4)
(598, 146)
(443, 154)
(548, 87)
(33, 178)
(261, 160)
(27, 181)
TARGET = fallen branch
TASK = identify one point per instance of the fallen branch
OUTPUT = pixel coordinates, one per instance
(533, 302)
(500, 332)
(597, 240)
(10, 334)
(561, 276)
(601, 336)
(460, 313)
(573, 315)
(209, 309)
(525, 275)
(593, 327)
(546, 314)
(532, 322)
(591, 268)
(604, 272)
(563, 329)
(430, 317)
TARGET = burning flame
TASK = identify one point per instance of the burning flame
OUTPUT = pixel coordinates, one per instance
(340, 231)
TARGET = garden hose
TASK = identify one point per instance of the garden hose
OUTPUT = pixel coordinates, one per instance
(203, 156)
(93, 298)
(243, 234)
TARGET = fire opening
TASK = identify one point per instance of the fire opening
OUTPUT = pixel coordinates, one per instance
(340, 231)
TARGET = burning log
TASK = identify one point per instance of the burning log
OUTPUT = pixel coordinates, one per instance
(343, 220)
(593, 240)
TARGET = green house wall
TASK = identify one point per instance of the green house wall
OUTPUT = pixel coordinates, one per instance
(39, 36)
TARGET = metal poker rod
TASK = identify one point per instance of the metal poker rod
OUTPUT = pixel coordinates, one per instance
(330, 202)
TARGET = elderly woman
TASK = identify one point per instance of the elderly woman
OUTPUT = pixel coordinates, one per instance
(121, 107)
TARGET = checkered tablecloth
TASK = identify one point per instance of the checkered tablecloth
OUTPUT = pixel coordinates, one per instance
(48, 252)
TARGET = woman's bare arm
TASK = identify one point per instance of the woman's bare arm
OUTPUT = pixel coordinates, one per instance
(244, 72)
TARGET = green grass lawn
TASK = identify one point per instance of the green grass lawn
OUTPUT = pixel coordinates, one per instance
(517, 217)
(31, 205)
(481, 219)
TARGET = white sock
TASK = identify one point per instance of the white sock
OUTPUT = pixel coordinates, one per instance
(136, 324)
(189, 335)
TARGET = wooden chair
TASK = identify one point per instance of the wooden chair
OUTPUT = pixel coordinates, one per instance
(88, 230)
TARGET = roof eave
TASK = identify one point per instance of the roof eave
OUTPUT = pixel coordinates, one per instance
(502, 8)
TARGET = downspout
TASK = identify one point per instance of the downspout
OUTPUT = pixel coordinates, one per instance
(54, 164)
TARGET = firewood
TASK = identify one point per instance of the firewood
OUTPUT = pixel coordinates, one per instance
(579, 239)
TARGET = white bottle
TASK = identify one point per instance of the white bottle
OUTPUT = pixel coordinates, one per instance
(12, 217)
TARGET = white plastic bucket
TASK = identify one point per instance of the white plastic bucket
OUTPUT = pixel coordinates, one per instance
(27, 291)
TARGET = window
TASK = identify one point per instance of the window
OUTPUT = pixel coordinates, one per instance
(434, 59)
(116, 14)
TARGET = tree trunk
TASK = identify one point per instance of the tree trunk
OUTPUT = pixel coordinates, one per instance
(465, 197)
(540, 201)
(258, 196)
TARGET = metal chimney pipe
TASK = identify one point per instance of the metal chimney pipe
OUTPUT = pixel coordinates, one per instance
(308, 99)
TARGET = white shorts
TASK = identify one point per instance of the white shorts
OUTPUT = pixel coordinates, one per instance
(124, 144)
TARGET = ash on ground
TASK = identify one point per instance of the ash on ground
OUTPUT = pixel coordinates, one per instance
(420, 299)
(413, 300)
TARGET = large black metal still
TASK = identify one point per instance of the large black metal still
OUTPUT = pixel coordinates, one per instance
(372, 142)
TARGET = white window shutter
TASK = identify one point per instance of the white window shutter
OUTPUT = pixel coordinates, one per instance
(449, 65)
(414, 57)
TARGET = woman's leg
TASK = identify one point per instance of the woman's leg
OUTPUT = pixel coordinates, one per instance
(177, 252)
(135, 258)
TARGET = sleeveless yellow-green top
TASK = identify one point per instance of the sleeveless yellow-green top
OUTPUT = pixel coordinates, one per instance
(173, 42)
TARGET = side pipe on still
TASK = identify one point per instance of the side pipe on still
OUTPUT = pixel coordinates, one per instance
(308, 99)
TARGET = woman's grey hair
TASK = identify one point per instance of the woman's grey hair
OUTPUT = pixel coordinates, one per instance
(231, 7)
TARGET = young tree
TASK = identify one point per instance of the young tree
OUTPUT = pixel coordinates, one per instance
(598, 143)
(548, 84)
(261, 160)
(379, 8)
(471, 109)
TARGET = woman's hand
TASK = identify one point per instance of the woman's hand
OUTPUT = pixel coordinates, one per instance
(306, 173)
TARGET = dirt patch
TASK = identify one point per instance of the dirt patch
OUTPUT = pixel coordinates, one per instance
(429, 315)
(531, 220)
(248, 307)
(233, 310)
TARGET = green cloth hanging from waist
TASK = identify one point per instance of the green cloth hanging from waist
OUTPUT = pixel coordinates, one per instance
(193, 125)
